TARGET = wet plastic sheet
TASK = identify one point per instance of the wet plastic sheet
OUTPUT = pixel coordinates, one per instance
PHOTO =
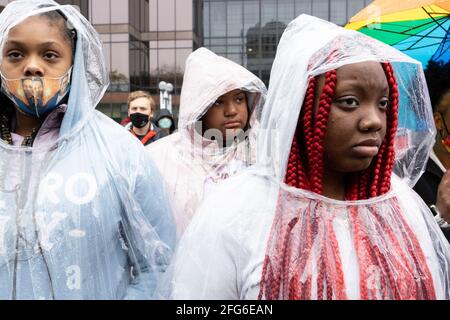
(86, 216)
(191, 165)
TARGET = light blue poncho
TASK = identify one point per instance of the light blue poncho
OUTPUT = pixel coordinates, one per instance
(84, 217)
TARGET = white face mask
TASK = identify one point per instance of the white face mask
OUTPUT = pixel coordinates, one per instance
(36, 96)
(165, 123)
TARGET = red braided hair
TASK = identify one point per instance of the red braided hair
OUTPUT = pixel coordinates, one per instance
(305, 171)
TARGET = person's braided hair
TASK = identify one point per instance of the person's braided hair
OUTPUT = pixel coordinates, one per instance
(288, 277)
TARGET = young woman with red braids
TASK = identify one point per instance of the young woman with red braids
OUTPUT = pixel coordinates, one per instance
(328, 211)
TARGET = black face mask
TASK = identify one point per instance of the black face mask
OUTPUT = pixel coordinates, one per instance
(139, 120)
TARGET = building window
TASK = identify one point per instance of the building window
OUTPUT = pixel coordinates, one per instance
(116, 111)
(83, 5)
(139, 65)
(248, 31)
(168, 53)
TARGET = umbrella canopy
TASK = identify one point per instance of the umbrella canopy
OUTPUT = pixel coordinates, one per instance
(419, 28)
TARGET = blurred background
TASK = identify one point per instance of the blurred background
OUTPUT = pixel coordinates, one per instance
(146, 42)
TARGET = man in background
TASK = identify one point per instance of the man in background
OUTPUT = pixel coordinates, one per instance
(141, 109)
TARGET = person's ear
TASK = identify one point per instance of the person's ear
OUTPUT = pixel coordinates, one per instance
(438, 121)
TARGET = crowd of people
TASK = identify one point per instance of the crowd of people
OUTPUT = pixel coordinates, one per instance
(330, 184)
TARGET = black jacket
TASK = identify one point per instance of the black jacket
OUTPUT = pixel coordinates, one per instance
(159, 134)
(427, 187)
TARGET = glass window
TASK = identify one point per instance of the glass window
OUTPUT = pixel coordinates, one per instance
(134, 16)
(252, 29)
(218, 41)
(153, 54)
(107, 54)
(153, 44)
(181, 57)
(220, 50)
(320, 9)
(234, 41)
(119, 11)
(166, 15)
(105, 108)
(198, 21)
(120, 37)
(134, 64)
(253, 43)
(285, 11)
(234, 49)
(338, 12)
(117, 113)
(206, 20)
(218, 25)
(184, 44)
(265, 76)
(120, 69)
(268, 11)
(303, 6)
(184, 15)
(144, 23)
(83, 5)
(100, 11)
(251, 15)
(167, 65)
(105, 37)
(164, 44)
(354, 6)
(153, 11)
(270, 36)
(235, 57)
(153, 61)
(234, 18)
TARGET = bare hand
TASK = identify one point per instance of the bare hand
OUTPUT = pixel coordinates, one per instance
(443, 197)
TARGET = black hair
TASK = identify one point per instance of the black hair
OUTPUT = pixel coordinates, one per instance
(68, 32)
(437, 75)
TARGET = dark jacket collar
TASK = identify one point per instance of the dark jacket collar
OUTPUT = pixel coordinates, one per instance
(433, 168)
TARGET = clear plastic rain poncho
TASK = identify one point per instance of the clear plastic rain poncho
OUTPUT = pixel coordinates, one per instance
(83, 217)
(192, 164)
(258, 237)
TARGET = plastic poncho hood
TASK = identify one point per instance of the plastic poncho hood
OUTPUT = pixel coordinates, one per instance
(84, 215)
(207, 77)
(90, 77)
(190, 163)
(257, 237)
(327, 49)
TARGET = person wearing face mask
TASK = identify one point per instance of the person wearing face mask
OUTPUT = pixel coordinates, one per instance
(165, 122)
(434, 185)
(141, 109)
(83, 212)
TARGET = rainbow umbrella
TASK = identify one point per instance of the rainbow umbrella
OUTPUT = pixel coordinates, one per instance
(419, 28)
